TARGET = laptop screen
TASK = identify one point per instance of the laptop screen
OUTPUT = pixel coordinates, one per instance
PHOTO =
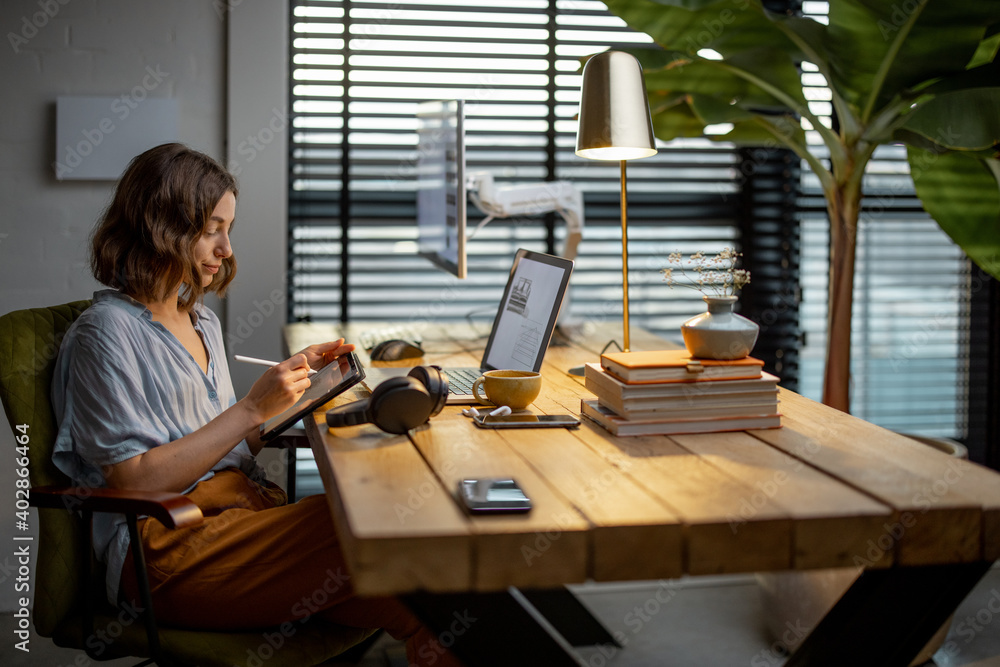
(528, 311)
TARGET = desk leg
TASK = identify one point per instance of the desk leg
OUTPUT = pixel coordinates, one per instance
(888, 616)
(487, 629)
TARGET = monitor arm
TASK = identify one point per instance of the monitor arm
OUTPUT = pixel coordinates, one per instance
(508, 201)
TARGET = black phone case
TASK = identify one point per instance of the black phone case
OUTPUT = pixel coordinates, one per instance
(484, 422)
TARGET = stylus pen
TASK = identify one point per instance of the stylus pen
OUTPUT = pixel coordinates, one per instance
(261, 362)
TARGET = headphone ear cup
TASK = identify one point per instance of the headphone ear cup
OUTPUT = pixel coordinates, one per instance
(363, 411)
(436, 383)
(402, 405)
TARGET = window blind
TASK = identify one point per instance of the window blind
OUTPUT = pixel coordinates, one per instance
(358, 71)
(911, 296)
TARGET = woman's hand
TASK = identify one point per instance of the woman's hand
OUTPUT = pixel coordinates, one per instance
(278, 388)
(318, 356)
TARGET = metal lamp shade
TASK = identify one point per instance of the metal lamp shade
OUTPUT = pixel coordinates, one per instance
(614, 111)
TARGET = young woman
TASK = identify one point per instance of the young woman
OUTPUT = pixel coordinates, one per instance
(144, 400)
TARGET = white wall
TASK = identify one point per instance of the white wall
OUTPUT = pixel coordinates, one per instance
(91, 47)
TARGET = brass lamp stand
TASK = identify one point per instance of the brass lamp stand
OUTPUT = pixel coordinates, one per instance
(615, 125)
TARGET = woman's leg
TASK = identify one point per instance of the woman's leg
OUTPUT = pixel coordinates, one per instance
(252, 566)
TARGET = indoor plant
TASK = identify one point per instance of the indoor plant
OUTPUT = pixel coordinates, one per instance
(921, 72)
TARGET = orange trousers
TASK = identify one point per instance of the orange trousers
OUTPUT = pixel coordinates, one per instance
(256, 561)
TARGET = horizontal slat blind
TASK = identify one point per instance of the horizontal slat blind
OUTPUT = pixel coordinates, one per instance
(358, 71)
(911, 298)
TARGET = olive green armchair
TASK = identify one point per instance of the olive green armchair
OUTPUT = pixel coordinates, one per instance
(69, 602)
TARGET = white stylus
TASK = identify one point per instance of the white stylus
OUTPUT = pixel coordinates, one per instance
(261, 362)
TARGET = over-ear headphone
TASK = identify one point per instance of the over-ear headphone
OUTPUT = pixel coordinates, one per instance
(397, 404)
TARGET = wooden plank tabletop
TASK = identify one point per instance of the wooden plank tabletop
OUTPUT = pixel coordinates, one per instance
(825, 490)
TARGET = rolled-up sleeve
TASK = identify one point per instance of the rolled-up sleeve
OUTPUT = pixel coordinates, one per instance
(109, 417)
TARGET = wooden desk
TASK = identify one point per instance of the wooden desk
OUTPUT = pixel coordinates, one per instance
(826, 490)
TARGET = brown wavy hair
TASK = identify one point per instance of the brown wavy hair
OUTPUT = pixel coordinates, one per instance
(143, 245)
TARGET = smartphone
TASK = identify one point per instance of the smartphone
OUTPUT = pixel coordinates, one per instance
(527, 421)
(485, 495)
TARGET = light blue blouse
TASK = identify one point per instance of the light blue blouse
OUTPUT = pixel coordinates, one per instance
(123, 385)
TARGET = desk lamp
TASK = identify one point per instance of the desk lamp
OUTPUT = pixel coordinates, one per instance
(615, 125)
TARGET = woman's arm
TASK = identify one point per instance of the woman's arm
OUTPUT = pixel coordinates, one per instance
(175, 466)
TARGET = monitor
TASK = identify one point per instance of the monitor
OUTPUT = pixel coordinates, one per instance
(441, 196)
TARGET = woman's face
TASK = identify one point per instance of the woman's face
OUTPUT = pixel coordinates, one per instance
(213, 245)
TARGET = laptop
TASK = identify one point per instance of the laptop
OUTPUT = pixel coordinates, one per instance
(522, 329)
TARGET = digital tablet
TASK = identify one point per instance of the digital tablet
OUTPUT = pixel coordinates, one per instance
(332, 380)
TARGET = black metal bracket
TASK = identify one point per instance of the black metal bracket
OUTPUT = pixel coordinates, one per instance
(570, 617)
(888, 616)
(492, 629)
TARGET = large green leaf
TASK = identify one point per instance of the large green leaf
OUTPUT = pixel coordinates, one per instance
(753, 79)
(712, 111)
(747, 128)
(726, 26)
(988, 48)
(808, 34)
(690, 115)
(690, 5)
(765, 132)
(962, 194)
(677, 120)
(984, 75)
(882, 47)
(961, 120)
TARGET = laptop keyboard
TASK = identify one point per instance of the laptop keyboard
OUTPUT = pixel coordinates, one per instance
(460, 380)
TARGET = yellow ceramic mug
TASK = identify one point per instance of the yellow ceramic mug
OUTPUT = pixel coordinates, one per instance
(515, 389)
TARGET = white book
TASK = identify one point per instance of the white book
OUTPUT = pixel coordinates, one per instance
(622, 397)
(618, 425)
(767, 406)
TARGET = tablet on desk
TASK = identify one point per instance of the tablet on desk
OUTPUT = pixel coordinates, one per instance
(332, 380)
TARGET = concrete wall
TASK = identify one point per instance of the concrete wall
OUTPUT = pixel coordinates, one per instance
(258, 155)
(104, 47)
(88, 48)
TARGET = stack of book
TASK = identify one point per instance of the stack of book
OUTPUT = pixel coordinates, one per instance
(666, 392)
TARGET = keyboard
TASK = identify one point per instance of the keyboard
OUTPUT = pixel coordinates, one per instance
(460, 380)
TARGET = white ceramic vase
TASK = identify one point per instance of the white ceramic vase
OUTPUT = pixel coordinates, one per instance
(719, 333)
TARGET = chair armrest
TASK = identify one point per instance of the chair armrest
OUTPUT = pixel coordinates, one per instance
(173, 510)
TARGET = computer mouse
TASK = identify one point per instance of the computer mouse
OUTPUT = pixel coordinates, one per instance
(395, 349)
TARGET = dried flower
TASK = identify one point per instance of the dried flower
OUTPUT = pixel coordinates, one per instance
(713, 276)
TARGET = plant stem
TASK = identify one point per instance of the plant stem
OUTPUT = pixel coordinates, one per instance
(843, 207)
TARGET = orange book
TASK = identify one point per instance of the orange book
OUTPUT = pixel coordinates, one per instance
(676, 366)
